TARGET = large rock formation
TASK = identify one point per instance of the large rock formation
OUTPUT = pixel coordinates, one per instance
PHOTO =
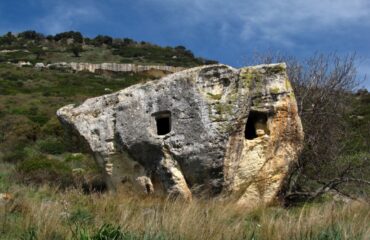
(213, 130)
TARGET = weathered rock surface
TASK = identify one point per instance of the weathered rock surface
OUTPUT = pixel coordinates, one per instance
(213, 130)
(103, 67)
(112, 67)
(5, 198)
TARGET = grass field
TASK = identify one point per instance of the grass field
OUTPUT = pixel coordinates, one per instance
(46, 213)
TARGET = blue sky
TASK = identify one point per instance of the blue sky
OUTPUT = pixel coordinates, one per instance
(229, 31)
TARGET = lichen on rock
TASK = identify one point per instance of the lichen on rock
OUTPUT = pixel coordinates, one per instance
(212, 130)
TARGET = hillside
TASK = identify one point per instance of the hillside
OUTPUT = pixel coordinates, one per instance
(56, 186)
(73, 47)
(29, 97)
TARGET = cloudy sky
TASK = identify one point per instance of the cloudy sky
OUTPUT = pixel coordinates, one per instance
(229, 31)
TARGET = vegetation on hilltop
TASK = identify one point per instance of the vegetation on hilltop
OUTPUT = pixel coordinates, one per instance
(73, 46)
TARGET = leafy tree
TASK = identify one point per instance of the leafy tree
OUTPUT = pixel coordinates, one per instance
(88, 41)
(50, 37)
(76, 49)
(76, 36)
(128, 41)
(100, 40)
(180, 48)
(8, 39)
(38, 51)
(31, 35)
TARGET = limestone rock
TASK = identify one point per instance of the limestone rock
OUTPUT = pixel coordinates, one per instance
(24, 64)
(121, 67)
(59, 65)
(5, 198)
(112, 67)
(212, 130)
(40, 65)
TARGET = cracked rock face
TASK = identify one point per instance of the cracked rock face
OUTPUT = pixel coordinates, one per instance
(211, 130)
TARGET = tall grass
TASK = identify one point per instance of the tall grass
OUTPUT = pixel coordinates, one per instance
(45, 213)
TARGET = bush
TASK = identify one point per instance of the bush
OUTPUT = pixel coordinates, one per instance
(29, 234)
(324, 87)
(31, 35)
(96, 185)
(52, 146)
(52, 128)
(100, 40)
(42, 163)
(14, 156)
(108, 231)
(105, 232)
(76, 36)
(76, 49)
(81, 217)
(40, 170)
(39, 119)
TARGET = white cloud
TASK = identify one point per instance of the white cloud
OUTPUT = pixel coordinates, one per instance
(67, 15)
(270, 20)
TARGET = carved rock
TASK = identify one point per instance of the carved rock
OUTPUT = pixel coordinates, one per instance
(212, 130)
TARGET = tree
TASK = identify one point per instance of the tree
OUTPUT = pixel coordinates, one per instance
(38, 51)
(128, 41)
(76, 36)
(31, 35)
(76, 49)
(100, 40)
(87, 41)
(180, 48)
(336, 155)
(8, 39)
(50, 37)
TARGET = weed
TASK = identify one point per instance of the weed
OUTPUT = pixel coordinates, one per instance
(29, 234)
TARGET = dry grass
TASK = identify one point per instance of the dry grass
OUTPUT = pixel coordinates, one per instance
(51, 214)
(56, 215)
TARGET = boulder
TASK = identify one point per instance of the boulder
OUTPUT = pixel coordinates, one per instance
(59, 65)
(6, 198)
(24, 64)
(212, 130)
(40, 65)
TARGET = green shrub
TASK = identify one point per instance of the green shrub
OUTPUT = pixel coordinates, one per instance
(40, 170)
(5, 181)
(80, 233)
(42, 163)
(14, 156)
(29, 234)
(39, 119)
(110, 232)
(332, 232)
(51, 146)
(74, 158)
(52, 128)
(81, 217)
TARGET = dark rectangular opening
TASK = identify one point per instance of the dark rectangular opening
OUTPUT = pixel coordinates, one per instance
(256, 124)
(163, 122)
